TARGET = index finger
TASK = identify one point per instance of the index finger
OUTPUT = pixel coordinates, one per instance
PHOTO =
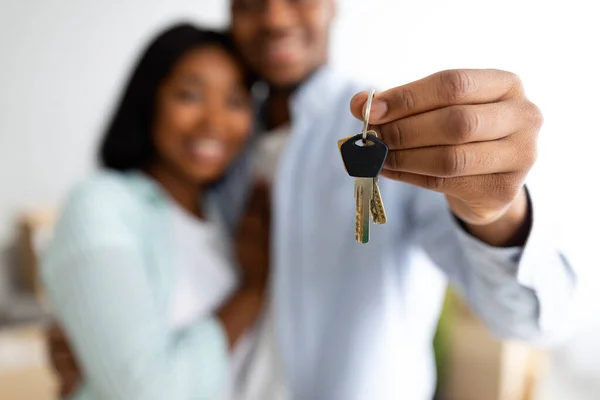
(442, 89)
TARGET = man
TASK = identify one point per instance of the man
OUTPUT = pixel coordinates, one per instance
(356, 321)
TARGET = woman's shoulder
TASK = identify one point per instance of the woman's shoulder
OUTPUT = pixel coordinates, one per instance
(104, 185)
(107, 189)
(104, 205)
(104, 214)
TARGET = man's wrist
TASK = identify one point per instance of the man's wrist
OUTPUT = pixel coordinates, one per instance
(510, 230)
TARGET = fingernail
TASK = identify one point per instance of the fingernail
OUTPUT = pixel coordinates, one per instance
(378, 109)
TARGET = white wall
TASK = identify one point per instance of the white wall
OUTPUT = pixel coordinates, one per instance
(62, 64)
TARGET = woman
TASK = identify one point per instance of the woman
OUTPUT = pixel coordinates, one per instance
(140, 271)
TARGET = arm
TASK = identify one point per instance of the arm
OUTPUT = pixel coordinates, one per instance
(240, 312)
(512, 229)
(62, 360)
(252, 250)
(524, 292)
(471, 135)
(99, 285)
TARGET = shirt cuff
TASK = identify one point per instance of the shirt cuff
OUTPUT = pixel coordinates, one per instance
(500, 262)
(538, 265)
(544, 268)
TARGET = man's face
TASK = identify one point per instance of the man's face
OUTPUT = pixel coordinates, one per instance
(283, 40)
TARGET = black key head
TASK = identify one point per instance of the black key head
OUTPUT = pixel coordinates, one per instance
(364, 160)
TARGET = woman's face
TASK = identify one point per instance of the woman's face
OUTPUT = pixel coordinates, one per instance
(203, 115)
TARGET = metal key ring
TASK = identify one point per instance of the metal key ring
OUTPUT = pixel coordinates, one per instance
(367, 115)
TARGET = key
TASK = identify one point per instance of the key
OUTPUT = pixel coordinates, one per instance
(340, 143)
(363, 194)
(376, 205)
(377, 210)
(364, 161)
(363, 156)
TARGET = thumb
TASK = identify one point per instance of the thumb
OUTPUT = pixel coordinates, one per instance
(378, 106)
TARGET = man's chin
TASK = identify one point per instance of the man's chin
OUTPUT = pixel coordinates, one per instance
(286, 77)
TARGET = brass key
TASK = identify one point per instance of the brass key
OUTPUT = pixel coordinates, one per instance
(377, 209)
(363, 189)
(363, 161)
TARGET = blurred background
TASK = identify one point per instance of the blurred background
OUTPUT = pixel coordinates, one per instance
(62, 65)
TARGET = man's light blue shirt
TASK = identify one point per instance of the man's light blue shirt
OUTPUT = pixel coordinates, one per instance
(356, 321)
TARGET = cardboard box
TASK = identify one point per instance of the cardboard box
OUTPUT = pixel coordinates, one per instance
(35, 231)
(24, 369)
(481, 367)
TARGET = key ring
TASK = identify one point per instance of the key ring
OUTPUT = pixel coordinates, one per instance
(367, 115)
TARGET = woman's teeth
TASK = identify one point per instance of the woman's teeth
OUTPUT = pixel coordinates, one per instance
(208, 149)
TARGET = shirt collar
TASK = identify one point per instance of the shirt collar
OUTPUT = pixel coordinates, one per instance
(316, 94)
(313, 97)
(146, 186)
(155, 194)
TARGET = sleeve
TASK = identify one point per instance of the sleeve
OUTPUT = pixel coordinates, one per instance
(523, 293)
(98, 285)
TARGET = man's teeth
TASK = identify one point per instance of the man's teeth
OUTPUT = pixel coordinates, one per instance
(282, 46)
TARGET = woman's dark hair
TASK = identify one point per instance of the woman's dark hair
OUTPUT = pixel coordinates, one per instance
(127, 142)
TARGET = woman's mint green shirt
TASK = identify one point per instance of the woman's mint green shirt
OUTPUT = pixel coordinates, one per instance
(110, 265)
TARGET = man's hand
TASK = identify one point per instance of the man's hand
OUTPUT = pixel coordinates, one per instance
(253, 238)
(63, 361)
(470, 134)
(241, 311)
